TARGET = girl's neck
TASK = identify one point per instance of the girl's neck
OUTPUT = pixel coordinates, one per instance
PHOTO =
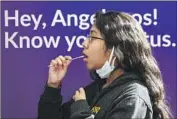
(114, 75)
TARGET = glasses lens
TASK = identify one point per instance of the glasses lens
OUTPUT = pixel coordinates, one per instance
(89, 37)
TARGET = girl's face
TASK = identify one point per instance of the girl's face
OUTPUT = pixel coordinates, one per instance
(95, 50)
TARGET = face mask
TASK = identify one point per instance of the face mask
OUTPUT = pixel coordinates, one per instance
(107, 68)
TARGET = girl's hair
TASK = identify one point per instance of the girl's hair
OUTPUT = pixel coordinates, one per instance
(134, 53)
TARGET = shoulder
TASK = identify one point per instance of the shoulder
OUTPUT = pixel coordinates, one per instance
(136, 89)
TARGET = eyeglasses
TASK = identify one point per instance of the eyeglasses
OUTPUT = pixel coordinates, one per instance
(91, 38)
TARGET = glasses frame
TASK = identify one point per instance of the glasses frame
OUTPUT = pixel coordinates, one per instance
(92, 37)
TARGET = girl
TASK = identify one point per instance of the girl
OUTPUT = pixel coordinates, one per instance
(128, 83)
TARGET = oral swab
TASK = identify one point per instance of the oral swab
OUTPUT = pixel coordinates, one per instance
(72, 59)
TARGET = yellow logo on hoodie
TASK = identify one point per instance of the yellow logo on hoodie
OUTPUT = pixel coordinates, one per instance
(95, 109)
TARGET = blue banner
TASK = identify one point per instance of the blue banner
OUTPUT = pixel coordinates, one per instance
(33, 33)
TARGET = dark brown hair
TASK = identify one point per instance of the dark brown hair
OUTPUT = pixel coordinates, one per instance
(134, 53)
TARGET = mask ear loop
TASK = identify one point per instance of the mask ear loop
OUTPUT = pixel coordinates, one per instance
(113, 61)
(111, 55)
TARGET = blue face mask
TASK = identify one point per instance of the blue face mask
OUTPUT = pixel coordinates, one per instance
(107, 68)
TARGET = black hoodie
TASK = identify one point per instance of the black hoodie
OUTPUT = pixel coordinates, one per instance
(125, 98)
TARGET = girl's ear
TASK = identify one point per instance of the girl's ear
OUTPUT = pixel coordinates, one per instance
(108, 52)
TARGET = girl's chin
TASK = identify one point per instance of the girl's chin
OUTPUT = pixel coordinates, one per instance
(89, 67)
